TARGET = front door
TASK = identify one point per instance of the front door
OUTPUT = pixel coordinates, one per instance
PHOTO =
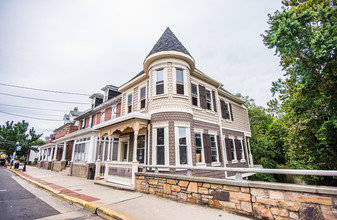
(124, 152)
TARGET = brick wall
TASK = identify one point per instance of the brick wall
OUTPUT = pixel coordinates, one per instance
(258, 199)
(107, 114)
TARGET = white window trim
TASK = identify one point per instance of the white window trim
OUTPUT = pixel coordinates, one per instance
(166, 142)
(174, 76)
(112, 112)
(198, 95)
(154, 89)
(127, 103)
(202, 163)
(178, 125)
(139, 96)
(102, 114)
(217, 148)
(234, 160)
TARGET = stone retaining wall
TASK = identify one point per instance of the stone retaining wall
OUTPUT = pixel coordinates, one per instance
(258, 199)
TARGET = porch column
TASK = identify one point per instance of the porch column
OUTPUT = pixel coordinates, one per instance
(64, 151)
(99, 149)
(98, 162)
(135, 146)
(250, 154)
(55, 154)
(109, 147)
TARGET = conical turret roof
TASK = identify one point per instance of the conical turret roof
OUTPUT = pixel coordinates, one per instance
(168, 42)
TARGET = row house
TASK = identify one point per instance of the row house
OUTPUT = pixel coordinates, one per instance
(169, 114)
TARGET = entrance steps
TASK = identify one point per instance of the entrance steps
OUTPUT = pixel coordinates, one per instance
(65, 172)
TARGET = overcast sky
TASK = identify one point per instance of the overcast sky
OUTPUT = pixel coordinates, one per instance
(81, 46)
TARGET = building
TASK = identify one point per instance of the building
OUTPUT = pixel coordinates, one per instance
(169, 114)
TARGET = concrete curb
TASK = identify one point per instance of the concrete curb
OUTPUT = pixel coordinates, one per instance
(101, 211)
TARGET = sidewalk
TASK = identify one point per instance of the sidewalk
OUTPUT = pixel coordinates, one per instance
(118, 204)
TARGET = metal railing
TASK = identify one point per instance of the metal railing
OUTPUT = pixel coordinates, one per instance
(240, 171)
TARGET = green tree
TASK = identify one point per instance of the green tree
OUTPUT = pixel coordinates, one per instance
(11, 134)
(266, 141)
(304, 35)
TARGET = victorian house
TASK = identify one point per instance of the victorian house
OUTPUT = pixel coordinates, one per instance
(169, 114)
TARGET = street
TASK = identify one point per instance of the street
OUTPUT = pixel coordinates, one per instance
(21, 200)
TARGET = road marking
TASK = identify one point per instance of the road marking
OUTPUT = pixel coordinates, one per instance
(3, 190)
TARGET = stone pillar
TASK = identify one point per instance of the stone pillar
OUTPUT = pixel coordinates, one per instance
(64, 151)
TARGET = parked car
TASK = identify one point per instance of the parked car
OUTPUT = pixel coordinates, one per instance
(2, 161)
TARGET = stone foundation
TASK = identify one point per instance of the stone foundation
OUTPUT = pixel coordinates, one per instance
(58, 165)
(258, 199)
(47, 165)
(79, 170)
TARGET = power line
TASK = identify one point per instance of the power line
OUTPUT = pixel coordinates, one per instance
(44, 119)
(44, 90)
(46, 100)
(44, 109)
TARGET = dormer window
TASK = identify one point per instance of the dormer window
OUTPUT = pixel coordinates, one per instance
(160, 82)
(129, 103)
(180, 81)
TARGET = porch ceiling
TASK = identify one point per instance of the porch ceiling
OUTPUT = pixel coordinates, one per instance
(124, 127)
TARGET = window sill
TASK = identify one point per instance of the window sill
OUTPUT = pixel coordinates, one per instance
(234, 161)
(180, 96)
(160, 96)
(196, 107)
(210, 111)
(201, 164)
(216, 164)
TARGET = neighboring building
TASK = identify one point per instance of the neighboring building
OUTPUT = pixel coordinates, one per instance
(169, 114)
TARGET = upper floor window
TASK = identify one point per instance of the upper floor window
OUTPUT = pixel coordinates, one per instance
(142, 97)
(160, 82)
(208, 99)
(194, 89)
(102, 117)
(180, 81)
(113, 112)
(90, 121)
(228, 111)
(83, 124)
(129, 103)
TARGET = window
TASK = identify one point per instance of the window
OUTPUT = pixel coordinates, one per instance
(90, 121)
(130, 103)
(208, 100)
(232, 148)
(182, 146)
(160, 146)
(83, 124)
(160, 82)
(180, 81)
(141, 148)
(142, 97)
(198, 147)
(80, 152)
(194, 94)
(227, 111)
(241, 151)
(113, 112)
(102, 117)
(213, 149)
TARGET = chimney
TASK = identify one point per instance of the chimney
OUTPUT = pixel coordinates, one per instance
(75, 109)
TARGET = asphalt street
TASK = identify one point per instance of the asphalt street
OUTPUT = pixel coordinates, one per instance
(21, 200)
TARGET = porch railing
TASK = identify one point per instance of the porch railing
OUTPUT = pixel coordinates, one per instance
(238, 171)
(118, 172)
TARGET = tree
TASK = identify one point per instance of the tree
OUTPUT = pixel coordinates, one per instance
(11, 134)
(304, 35)
(266, 142)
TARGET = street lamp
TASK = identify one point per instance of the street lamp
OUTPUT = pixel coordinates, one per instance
(24, 166)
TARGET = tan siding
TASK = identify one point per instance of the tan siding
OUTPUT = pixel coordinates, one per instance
(241, 121)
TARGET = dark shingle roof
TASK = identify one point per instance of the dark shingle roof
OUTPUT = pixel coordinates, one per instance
(168, 42)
